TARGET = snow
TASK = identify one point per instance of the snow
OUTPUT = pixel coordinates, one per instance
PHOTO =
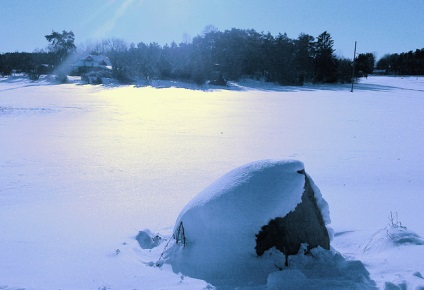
(84, 168)
(321, 270)
(223, 220)
(147, 240)
(270, 188)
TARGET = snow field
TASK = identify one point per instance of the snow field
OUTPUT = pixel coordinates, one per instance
(84, 168)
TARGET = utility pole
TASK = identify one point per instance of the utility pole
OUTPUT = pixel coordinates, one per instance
(353, 67)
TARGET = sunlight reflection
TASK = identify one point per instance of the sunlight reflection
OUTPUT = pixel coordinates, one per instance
(153, 124)
(165, 110)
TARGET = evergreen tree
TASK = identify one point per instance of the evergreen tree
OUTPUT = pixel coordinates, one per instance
(407, 63)
(325, 67)
(284, 70)
(61, 44)
(344, 70)
(304, 56)
(364, 64)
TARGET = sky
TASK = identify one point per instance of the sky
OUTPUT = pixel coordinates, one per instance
(378, 26)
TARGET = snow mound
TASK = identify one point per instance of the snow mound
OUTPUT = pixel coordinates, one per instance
(215, 232)
(147, 240)
(392, 236)
(321, 269)
(413, 281)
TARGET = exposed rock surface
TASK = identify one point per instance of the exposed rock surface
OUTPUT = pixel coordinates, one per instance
(303, 225)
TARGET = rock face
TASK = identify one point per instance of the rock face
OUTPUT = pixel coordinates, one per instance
(303, 225)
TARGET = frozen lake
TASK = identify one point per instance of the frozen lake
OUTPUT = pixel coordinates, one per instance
(84, 168)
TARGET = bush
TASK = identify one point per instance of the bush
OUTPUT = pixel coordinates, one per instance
(33, 76)
(62, 78)
(121, 75)
(96, 77)
(198, 77)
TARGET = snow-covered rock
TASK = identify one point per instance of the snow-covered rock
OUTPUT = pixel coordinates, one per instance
(392, 236)
(147, 240)
(217, 232)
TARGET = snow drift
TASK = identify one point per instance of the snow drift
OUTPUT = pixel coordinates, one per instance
(218, 231)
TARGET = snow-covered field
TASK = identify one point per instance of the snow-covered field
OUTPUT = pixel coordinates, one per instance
(84, 168)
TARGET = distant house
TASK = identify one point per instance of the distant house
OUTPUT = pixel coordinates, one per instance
(92, 63)
(379, 72)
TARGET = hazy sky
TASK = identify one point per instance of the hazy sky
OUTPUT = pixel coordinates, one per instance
(380, 26)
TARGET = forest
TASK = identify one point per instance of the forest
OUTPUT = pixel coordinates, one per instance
(216, 57)
(407, 63)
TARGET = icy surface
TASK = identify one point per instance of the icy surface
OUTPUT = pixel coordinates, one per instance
(84, 168)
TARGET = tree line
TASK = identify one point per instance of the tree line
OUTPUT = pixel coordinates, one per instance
(407, 63)
(25, 62)
(218, 57)
(61, 46)
(214, 56)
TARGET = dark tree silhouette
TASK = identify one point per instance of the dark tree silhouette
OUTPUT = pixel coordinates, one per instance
(407, 63)
(218, 57)
(61, 44)
(325, 61)
(364, 64)
(304, 57)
